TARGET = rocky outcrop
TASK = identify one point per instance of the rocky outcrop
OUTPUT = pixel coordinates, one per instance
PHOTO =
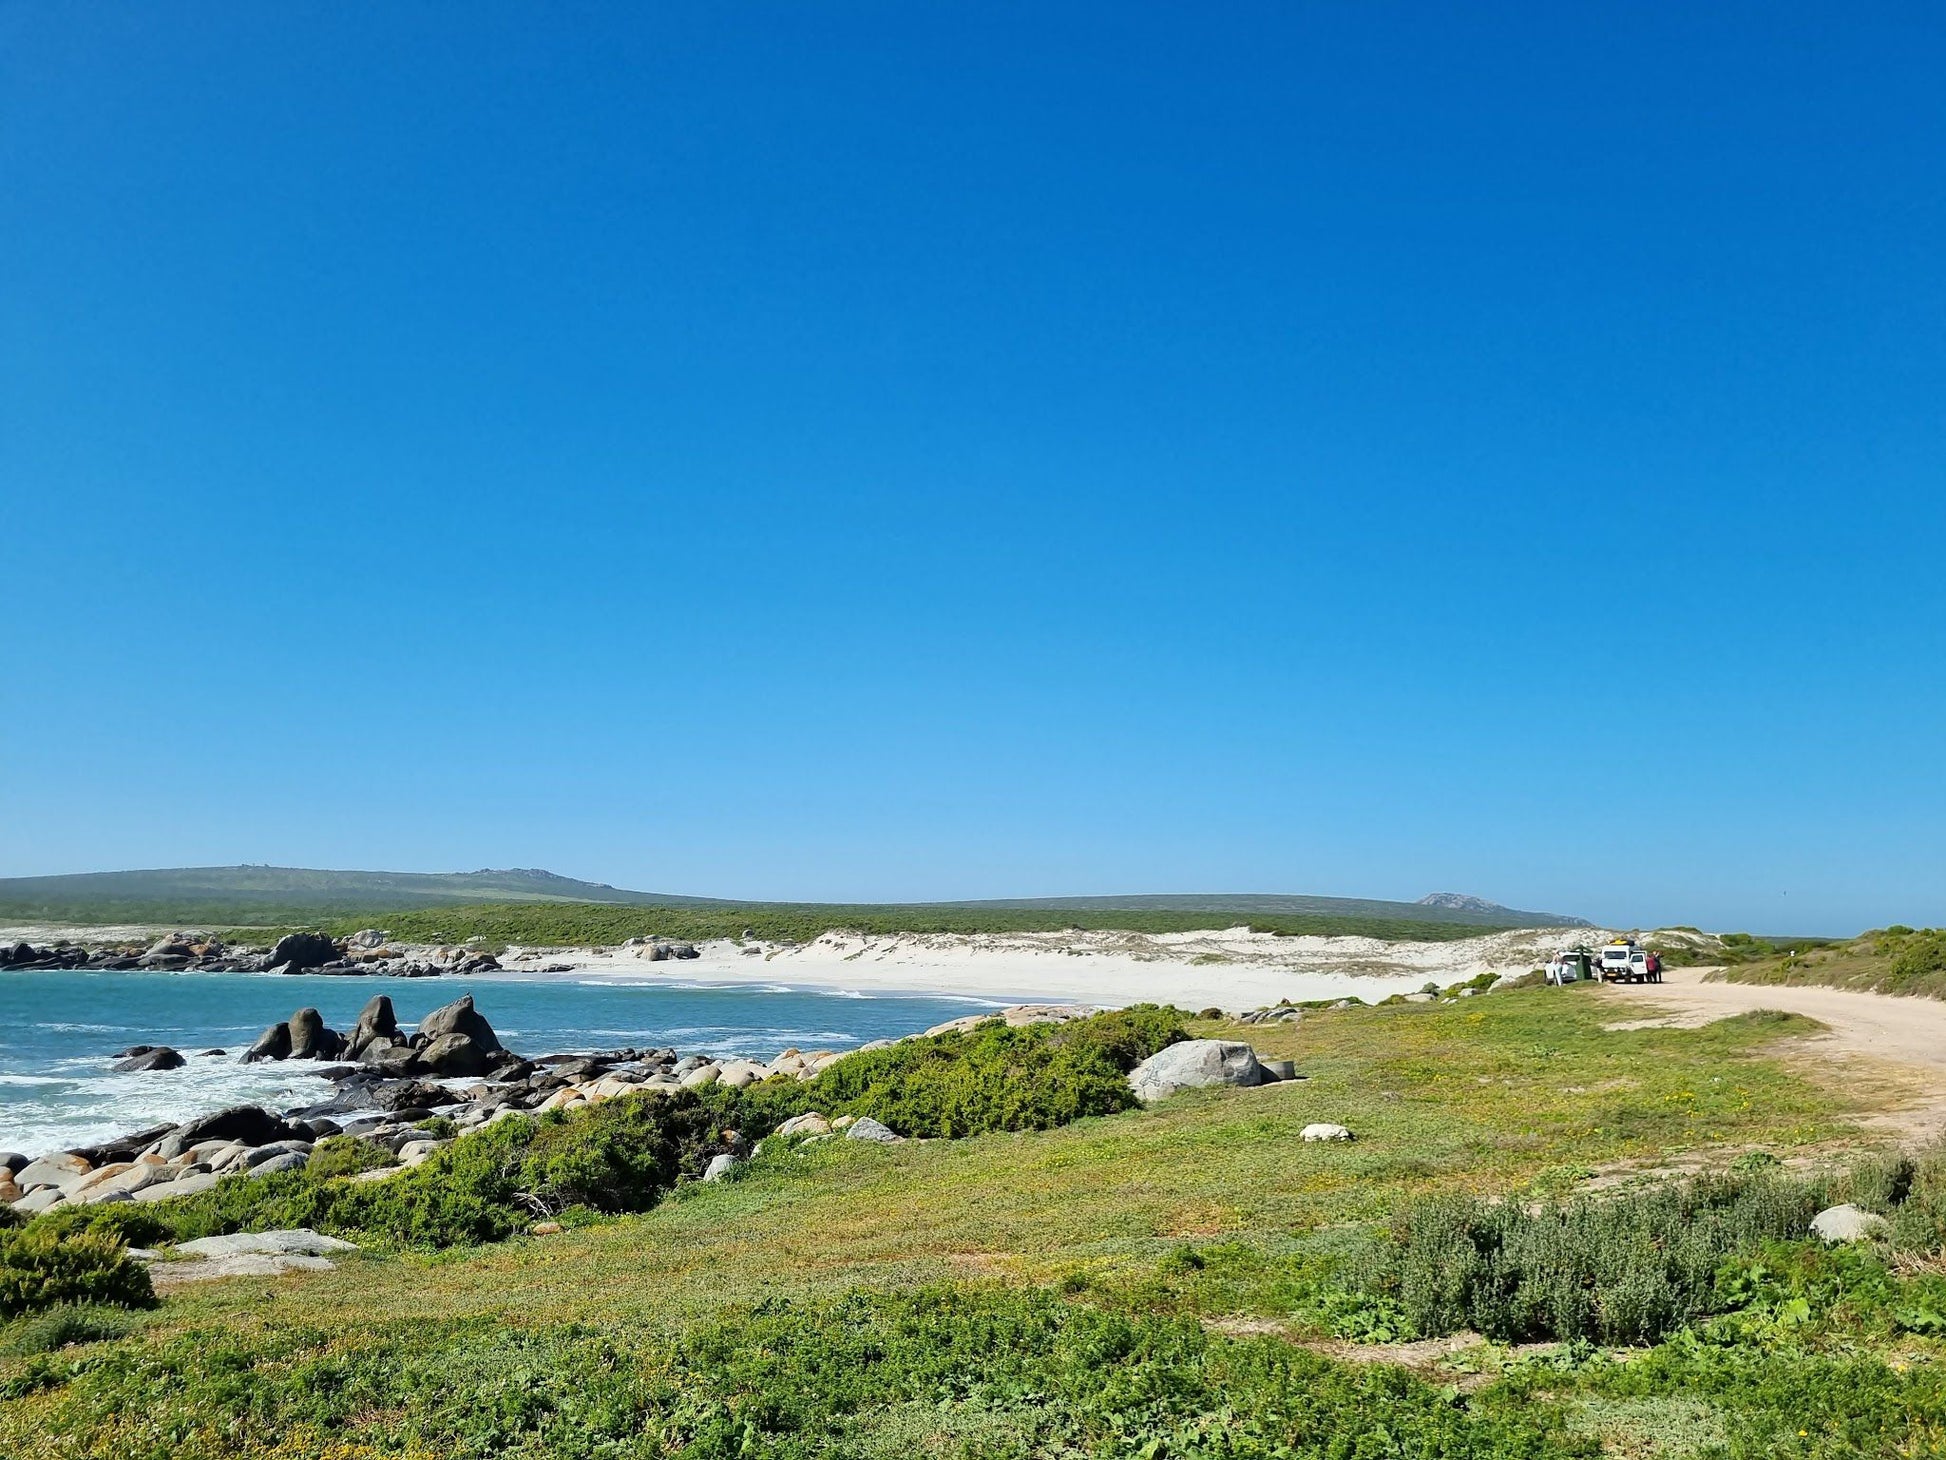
(460, 1017)
(1018, 1016)
(273, 1044)
(250, 1125)
(454, 1054)
(1195, 1064)
(377, 1026)
(310, 1040)
(296, 952)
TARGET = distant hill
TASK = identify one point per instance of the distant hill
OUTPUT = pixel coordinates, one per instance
(1439, 907)
(284, 893)
(262, 895)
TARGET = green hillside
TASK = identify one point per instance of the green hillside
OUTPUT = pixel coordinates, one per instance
(277, 895)
(532, 906)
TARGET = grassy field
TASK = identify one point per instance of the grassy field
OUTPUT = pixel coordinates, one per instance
(1894, 960)
(971, 1297)
(579, 923)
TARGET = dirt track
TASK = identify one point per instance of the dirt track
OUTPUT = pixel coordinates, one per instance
(1889, 1051)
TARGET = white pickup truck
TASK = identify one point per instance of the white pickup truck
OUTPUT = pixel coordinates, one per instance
(1627, 961)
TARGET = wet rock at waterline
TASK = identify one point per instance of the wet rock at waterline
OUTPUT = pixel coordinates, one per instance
(148, 1059)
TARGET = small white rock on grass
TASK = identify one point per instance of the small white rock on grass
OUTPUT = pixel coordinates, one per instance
(1325, 1131)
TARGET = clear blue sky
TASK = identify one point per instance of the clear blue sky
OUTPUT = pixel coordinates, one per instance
(884, 451)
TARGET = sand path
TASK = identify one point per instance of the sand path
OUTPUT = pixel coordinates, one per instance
(1889, 1051)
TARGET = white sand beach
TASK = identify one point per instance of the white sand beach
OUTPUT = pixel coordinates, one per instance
(1234, 969)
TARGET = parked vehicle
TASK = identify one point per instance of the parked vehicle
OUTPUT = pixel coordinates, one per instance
(1571, 965)
(1627, 961)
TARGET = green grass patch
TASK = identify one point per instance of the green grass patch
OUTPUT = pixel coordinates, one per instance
(847, 1299)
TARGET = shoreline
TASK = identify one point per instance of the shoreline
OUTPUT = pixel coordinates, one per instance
(1233, 969)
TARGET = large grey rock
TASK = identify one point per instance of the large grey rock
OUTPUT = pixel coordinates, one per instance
(1195, 1064)
(867, 1129)
(310, 1040)
(170, 1275)
(251, 1125)
(303, 950)
(390, 1059)
(719, 1167)
(60, 1169)
(273, 1044)
(454, 1054)
(377, 1025)
(460, 1017)
(39, 1200)
(126, 1183)
(284, 1161)
(193, 1184)
(295, 1240)
(1847, 1223)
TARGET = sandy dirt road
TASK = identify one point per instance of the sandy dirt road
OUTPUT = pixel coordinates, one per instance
(1889, 1052)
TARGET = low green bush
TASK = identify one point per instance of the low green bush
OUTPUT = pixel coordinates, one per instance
(39, 1269)
(61, 1325)
(348, 1156)
(1921, 957)
(134, 1224)
(992, 1078)
(1621, 1270)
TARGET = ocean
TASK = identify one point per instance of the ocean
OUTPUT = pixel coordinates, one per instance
(60, 1032)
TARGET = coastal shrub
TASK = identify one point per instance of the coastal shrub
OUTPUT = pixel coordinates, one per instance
(1622, 1270)
(1920, 960)
(61, 1325)
(39, 1269)
(996, 1373)
(617, 1156)
(994, 1078)
(133, 1224)
(347, 1156)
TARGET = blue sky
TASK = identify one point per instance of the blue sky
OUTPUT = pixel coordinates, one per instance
(869, 451)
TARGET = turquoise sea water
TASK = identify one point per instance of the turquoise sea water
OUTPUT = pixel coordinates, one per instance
(59, 1032)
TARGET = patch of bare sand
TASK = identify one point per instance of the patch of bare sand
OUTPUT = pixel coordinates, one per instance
(1886, 1054)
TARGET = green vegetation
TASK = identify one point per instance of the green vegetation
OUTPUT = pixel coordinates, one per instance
(974, 1373)
(1139, 1282)
(624, 1155)
(262, 897)
(991, 1079)
(535, 907)
(1623, 1269)
(569, 924)
(1894, 960)
(40, 1269)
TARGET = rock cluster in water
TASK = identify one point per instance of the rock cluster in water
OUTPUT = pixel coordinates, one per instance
(387, 1090)
(406, 1093)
